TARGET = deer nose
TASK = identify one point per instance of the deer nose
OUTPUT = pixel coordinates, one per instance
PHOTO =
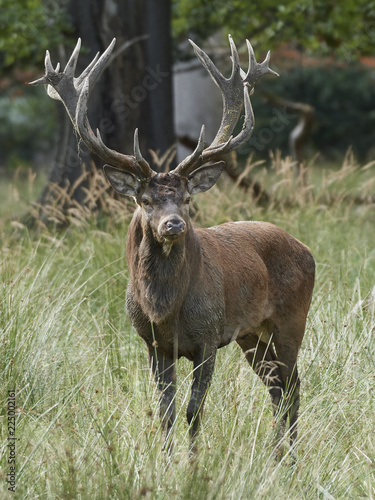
(174, 226)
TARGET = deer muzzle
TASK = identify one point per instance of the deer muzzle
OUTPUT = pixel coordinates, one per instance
(172, 227)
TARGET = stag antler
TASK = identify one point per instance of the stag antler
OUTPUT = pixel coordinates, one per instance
(235, 92)
(74, 93)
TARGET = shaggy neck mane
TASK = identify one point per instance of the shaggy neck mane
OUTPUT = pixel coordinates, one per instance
(160, 281)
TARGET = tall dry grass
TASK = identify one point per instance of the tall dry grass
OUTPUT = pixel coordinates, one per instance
(87, 407)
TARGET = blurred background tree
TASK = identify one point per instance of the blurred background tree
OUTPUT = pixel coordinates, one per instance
(339, 87)
(328, 61)
(325, 27)
(119, 101)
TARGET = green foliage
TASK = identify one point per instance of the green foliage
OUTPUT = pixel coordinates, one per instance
(27, 28)
(346, 28)
(27, 125)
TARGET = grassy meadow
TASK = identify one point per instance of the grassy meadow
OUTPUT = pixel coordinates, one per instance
(86, 406)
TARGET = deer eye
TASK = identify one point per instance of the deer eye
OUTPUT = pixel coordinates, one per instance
(146, 202)
(187, 201)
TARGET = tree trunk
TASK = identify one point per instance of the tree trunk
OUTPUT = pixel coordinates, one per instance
(159, 124)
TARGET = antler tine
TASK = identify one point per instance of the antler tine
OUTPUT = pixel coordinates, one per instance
(208, 64)
(252, 60)
(144, 165)
(49, 70)
(71, 65)
(99, 65)
(190, 161)
(87, 71)
(234, 57)
(48, 63)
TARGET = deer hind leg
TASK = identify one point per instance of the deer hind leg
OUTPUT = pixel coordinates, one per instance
(164, 372)
(287, 355)
(264, 361)
(287, 339)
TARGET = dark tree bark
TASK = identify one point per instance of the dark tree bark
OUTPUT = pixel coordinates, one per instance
(134, 91)
(159, 105)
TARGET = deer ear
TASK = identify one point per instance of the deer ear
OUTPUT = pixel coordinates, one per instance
(204, 177)
(121, 181)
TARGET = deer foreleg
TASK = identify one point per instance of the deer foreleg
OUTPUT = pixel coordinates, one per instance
(164, 372)
(204, 363)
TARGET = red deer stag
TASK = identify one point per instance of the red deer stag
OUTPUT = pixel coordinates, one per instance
(192, 290)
